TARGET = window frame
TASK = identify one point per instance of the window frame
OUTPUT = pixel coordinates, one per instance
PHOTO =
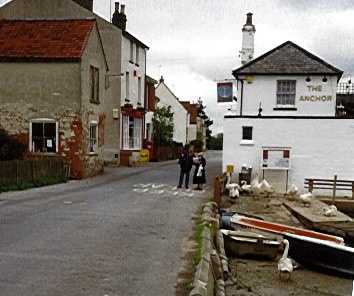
(137, 55)
(93, 123)
(244, 128)
(131, 59)
(43, 121)
(127, 85)
(290, 92)
(94, 84)
(140, 90)
(132, 141)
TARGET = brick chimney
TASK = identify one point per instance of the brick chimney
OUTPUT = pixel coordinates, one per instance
(88, 4)
(119, 18)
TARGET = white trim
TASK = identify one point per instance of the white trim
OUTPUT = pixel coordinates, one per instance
(247, 143)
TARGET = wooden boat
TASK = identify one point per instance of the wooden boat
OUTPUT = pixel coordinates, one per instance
(319, 254)
(281, 229)
(248, 244)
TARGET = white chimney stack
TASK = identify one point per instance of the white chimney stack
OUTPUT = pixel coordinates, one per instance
(248, 32)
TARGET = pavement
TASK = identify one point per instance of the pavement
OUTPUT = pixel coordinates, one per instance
(120, 233)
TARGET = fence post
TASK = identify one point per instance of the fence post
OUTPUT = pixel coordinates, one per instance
(310, 185)
(334, 189)
(17, 176)
(217, 193)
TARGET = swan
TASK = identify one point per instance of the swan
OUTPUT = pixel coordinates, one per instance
(245, 188)
(293, 190)
(266, 187)
(285, 265)
(256, 186)
(330, 211)
(306, 198)
(234, 188)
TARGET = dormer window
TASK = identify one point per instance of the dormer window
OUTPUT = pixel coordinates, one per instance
(286, 91)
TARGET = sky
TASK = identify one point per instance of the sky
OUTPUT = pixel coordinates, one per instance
(195, 43)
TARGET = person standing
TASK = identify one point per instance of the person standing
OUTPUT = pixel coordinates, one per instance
(199, 173)
(186, 163)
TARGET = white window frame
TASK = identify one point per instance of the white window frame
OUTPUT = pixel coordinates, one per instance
(139, 90)
(131, 51)
(44, 120)
(137, 55)
(127, 85)
(285, 93)
(136, 139)
(93, 123)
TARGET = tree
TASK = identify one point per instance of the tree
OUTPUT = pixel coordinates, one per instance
(10, 148)
(216, 143)
(162, 123)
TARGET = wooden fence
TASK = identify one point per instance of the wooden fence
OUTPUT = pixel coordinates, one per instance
(16, 172)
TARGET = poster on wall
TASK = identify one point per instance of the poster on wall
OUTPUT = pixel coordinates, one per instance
(225, 92)
(276, 158)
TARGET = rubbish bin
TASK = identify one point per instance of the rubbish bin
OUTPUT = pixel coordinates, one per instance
(245, 175)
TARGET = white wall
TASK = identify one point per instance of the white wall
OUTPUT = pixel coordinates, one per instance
(264, 88)
(321, 148)
(180, 114)
(127, 66)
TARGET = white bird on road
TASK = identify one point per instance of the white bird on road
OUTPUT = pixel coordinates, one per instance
(245, 188)
(330, 211)
(285, 265)
(306, 198)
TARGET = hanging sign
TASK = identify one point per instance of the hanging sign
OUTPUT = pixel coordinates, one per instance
(225, 92)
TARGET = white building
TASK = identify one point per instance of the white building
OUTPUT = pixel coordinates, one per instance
(287, 99)
(133, 70)
(180, 114)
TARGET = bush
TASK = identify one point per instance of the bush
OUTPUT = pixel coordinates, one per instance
(10, 148)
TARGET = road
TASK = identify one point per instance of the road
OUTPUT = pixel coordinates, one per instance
(117, 234)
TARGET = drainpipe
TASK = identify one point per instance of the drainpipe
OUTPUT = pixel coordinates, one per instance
(241, 99)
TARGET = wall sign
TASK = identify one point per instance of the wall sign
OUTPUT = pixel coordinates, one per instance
(317, 96)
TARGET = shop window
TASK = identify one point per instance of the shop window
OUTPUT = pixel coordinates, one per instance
(93, 135)
(247, 133)
(132, 133)
(43, 136)
(286, 91)
(94, 85)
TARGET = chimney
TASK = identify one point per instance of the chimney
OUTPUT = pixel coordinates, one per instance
(119, 18)
(88, 4)
(249, 19)
(248, 32)
(162, 80)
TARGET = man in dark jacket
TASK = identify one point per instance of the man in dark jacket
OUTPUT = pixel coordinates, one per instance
(185, 162)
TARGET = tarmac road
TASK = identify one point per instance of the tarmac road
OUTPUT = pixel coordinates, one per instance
(116, 234)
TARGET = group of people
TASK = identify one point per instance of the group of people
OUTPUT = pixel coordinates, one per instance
(187, 160)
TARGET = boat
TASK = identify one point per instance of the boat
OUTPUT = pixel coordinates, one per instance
(247, 244)
(282, 229)
(321, 255)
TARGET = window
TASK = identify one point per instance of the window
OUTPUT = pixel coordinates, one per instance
(247, 133)
(43, 136)
(131, 51)
(94, 84)
(148, 131)
(127, 86)
(139, 90)
(137, 55)
(93, 137)
(286, 90)
(132, 133)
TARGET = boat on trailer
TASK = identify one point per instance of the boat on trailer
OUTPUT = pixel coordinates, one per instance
(282, 229)
(321, 255)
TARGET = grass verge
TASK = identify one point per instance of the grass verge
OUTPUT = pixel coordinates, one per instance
(44, 181)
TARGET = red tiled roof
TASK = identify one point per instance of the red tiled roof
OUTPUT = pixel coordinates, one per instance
(44, 39)
(192, 110)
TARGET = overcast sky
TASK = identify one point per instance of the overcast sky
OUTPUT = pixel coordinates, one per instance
(193, 43)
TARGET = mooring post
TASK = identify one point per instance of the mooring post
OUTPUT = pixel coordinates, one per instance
(310, 185)
(334, 189)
